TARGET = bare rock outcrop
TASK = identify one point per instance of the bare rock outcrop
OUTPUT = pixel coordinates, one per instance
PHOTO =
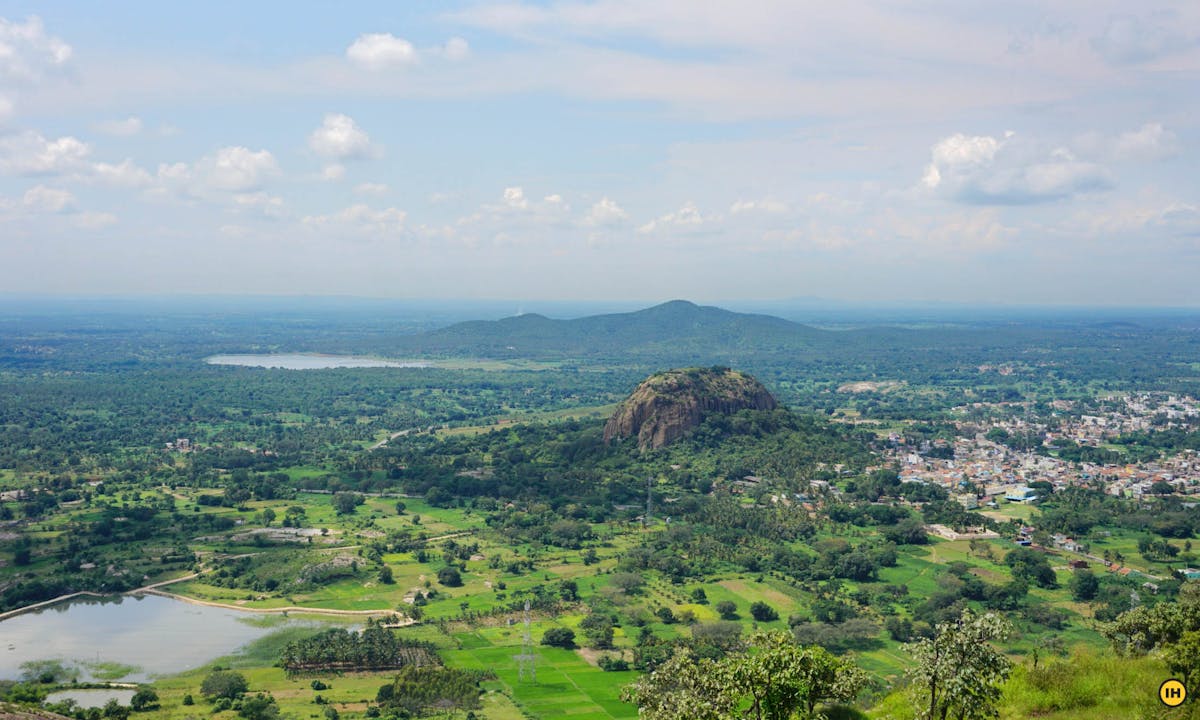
(668, 405)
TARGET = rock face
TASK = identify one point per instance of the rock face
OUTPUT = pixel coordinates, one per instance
(670, 404)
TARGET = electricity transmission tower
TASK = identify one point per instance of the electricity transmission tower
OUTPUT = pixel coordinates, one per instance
(527, 660)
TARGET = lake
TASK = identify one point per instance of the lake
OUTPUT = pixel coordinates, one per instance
(158, 635)
(91, 697)
(298, 361)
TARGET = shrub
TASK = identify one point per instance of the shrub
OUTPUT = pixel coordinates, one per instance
(224, 684)
(763, 612)
(559, 637)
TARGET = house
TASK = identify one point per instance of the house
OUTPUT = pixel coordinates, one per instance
(1021, 493)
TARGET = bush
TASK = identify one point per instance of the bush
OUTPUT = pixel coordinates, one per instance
(144, 699)
(727, 610)
(559, 637)
(224, 684)
(608, 663)
(763, 612)
(450, 577)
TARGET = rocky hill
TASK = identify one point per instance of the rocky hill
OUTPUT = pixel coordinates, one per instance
(668, 405)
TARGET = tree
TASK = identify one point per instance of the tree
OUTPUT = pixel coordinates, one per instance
(763, 612)
(682, 688)
(559, 637)
(1183, 657)
(260, 707)
(958, 671)
(776, 680)
(224, 684)
(385, 575)
(345, 502)
(699, 596)
(450, 577)
(268, 516)
(1084, 585)
(727, 610)
(144, 699)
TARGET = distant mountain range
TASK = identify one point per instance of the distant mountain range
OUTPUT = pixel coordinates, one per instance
(676, 328)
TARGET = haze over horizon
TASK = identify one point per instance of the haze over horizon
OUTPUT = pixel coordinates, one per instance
(865, 152)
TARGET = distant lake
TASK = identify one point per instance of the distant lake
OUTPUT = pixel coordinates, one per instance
(156, 634)
(308, 362)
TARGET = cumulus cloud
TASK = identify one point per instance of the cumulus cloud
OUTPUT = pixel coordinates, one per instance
(514, 197)
(361, 219)
(985, 170)
(44, 199)
(221, 177)
(259, 202)
(27, 53)
(368, 188)
(376, 51)
(1150, 142)
(29, 153)
(128, 127)
(238, 169)
(340, 138)
(766, 205)
(1129, 39)
(687, 218)
(125, 174)
(605, 212)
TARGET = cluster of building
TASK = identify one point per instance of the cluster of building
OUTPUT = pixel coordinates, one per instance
(983, 471)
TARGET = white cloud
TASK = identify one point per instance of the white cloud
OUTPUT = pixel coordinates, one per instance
(125, 174)
(984, 170)
(959, 153)
(514, 197)
(237, 169)
(368, 188)
(687, 217)
(340, 138)
(128, 127)
(259, 202)
(6, 108)
(27, 53)
(456, 49)
(766, 205)
(360, 219)
(1149, 142)
(376, 51)
(333, 172)
(29, 153)
(47, 200)
(605, 212)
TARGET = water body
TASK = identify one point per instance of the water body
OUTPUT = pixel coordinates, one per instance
(90, 698)
(156, 634)
(308, 362)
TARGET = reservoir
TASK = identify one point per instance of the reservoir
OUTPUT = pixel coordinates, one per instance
(156, 634)
(298, 361)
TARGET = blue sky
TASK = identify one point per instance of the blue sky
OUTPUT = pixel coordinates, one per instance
(1021, 152)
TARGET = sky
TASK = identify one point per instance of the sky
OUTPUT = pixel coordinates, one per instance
(871, 151)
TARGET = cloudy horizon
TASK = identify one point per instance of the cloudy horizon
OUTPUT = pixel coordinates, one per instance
(868, 152)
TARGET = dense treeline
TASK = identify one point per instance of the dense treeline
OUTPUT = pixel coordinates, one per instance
(374, 648)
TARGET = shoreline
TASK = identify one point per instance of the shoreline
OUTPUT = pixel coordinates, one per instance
(153, 589)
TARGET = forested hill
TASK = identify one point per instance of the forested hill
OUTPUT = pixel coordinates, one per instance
(673, 328)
